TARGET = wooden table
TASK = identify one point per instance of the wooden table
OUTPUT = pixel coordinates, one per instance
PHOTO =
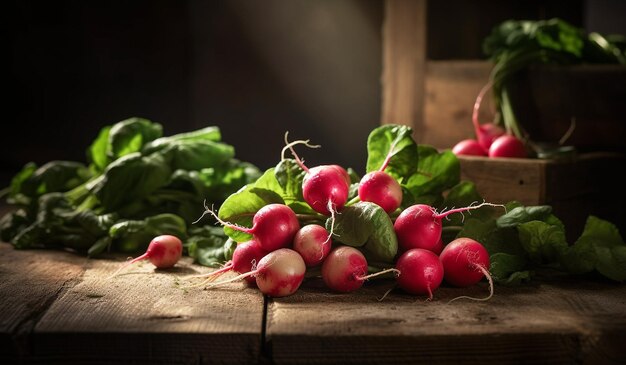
(61, 308)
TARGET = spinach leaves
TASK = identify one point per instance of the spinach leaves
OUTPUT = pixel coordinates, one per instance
(135, 185)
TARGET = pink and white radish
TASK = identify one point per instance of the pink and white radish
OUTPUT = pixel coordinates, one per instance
(345, 270)
(486, 133)
(163, 252)
(380, 188)
(325, 188)
(421, 272)
(313, 243)
(465, 262)
(273, 226)
(508, 146)
(278, 274)
(469, 147)
(245, 258)
(419, 226)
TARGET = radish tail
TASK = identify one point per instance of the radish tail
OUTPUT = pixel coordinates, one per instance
(468, 208)
(489, 278)
(227, 267)
(289, 145)
(386, 293)
(236, 278)
(332, 211)
(223, 223)
(128, 263)
(367, 277)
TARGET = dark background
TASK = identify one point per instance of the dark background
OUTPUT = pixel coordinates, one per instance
(254, 68)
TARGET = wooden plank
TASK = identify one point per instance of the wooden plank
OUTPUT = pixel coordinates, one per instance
(451, 88)
(145, 316)
(556, 322)
(505, 179)
(30, 281)
(576, 188)
(404, 57)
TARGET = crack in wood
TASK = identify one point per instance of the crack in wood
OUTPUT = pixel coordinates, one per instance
(21, 336)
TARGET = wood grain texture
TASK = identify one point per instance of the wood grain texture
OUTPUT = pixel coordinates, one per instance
(146, 316)
(30, 282)
(587, 185)
(404, 58)
(451, 88)
(562, 322)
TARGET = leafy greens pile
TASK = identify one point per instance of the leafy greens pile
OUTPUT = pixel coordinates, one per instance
(136, 185)
(514, 45)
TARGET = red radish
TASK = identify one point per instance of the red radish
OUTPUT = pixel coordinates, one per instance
(278, 274)
(273, 226)
(343, 173)
(345, 269)
(163, 252)
(380, 188)
(421, 272)
(325, 188)
(245, 258)
(469, 147)
(508, 146)
(313, 243)
(438, 247)
(466, 262)
(485, 133)
(419, 226)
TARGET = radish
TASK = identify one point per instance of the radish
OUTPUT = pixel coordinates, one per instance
(380, 188)
(419, 226)
(343, 173)
(469, 147)
(313, 243)
(438, 247)
(325, 188)
(163, 252)
(487, 132)
(508, 146)
(278, 274)
(273, 226)
(465, 262)
(245, 258)
(345, 269)
(421, 272)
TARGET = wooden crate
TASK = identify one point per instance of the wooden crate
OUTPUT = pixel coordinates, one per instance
(588, 184)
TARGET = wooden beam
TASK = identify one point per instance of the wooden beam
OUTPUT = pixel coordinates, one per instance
(404, 59)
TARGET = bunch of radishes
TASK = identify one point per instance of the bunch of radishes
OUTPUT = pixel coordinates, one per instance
(491, 140)
(280, 251)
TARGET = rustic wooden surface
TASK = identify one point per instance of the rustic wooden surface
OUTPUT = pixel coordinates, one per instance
(60, 308)
(564, 322)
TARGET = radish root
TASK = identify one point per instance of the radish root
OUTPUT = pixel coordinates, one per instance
(367, 277)
(128, 263)
(489, 278)
(223, 223)
(289, 146)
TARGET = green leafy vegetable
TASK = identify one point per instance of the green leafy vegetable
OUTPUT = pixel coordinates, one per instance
(366, 225)
(138, 184)
(515, 45)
